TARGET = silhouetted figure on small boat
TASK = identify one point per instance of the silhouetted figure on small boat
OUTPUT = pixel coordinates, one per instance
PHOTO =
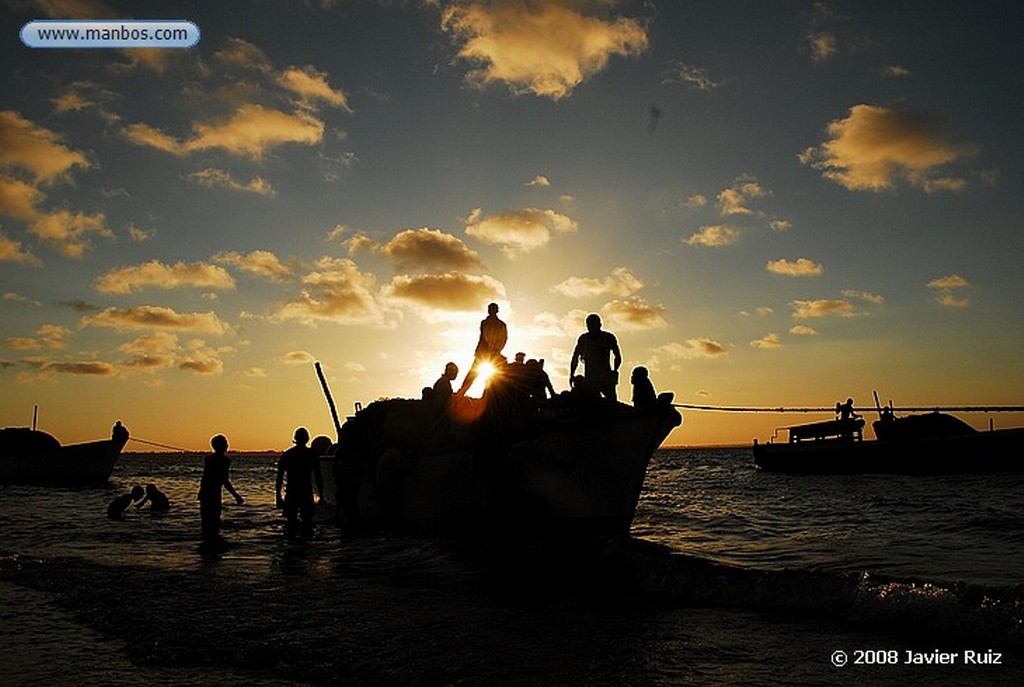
(538, 384)
(158, 501)
(120, 505)
(493, 335)
(644, 395)
(298, 467)
(850, 421)
(216, 476)
(441, 392)
(594, 347)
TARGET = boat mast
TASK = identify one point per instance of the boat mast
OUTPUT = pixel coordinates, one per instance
(330, 401)
(35, 416)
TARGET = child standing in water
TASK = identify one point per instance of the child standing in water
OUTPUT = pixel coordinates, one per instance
(216, 475)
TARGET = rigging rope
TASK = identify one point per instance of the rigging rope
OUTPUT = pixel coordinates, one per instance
(868, 409)
(173, 448)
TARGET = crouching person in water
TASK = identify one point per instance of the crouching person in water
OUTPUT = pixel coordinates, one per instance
(120, 505)
(296, 470)
(216, 476)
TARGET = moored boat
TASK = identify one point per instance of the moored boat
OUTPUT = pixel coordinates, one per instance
(33, 457)
(502, 463)
(928, 443)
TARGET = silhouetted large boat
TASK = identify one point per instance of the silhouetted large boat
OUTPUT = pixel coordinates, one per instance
(32, 457)
(500, 464)
(930, 443)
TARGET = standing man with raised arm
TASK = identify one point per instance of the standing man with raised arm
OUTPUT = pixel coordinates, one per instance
(493, 336)
(594, 347)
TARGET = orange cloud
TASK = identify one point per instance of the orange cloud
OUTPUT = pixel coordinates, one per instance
(36, 150)
(336, 292)
(768, 342)
(801, 267)
(219, 178)
(692, 349)
(518, 230)
(824, 308)
(946, 287)
(620, 282)
(875, 147)
(715, 236)
(633, 313)
(261, 263)
(431, 249)
(155, 273)
(544, 48)
(250, 131)
(12, 251)
(311, 86)
(452, 291)
(155, 317)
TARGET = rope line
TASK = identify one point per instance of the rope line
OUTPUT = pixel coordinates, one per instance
(867, 409)
(154, 443)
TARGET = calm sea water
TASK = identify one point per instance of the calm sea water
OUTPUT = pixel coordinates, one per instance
(758, 578)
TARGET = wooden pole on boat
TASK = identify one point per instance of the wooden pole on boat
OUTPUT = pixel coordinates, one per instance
(35, 416)
(330, 401)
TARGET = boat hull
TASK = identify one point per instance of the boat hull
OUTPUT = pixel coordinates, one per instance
(581, 476)
(979, 452)
(87, 463)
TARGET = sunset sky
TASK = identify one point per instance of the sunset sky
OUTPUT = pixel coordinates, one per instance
(769, 203)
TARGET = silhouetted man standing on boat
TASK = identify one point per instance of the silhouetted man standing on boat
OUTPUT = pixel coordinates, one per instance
(493, 335)
(300, 465)
(216, 475)
(594, 348)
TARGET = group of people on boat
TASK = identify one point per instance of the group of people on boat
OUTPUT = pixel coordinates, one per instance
(596, 348)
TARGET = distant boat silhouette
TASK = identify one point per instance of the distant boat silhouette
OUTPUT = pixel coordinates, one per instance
(31, 456)
(929, 443)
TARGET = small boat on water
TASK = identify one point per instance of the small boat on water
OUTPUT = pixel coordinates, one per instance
(504, 463)
(29, 456)
(928, 443)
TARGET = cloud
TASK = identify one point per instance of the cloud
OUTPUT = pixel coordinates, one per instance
(150, 352)
(896, 71)
(620, 282)
(872, 298)
(451, 291)
(539, 180)
(11, 251)
(50, 336)
(767, 342)
(155, 273)
(336, 292)
(312, 86)
(802, 267)
(518, 231)
(12, 297)
(945, 288)
(690, 75)
(803, 330)
(874, 148)
(733, 200)
(67, 232)
(714, 236)
(544, 48)
(90, 368)
(297, 358)
(823, 46)
(692, 349)
(36, 150)
(824, 308)
(633, 313)
(140, 235)
(696, 201)
(780, 225)
(18, 199)
(251, 131)
(261, 263)
(430, 249)
(155, 317)
(219, 178)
